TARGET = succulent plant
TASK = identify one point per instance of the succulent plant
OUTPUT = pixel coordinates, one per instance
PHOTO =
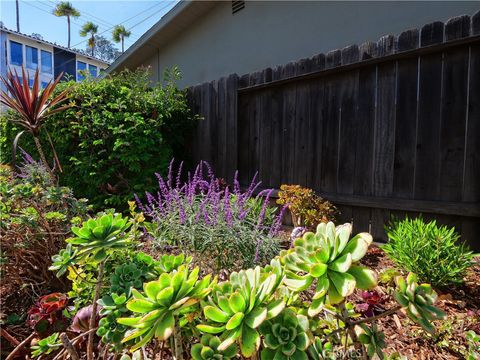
(285, 336)
(62, 260)
(46, 316)
(321, 351)
(47, 345)
(238, 307)
(162, 301)
(113, 307)
(97, 236)
(329, 257)
(418, 301)
(124, 278)
(81, 319)
(168, 263)
(373, 339)
(208, 349)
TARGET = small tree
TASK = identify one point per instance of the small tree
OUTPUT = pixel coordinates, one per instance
(32, 106)
(119, 34)
(89, 28)
(65, 8)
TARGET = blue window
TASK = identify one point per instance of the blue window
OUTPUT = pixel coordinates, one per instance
(93, 70)
(16, 53)
(47, 65)
(44, 84)
(31, 54)
(30, 83)
(81, 68)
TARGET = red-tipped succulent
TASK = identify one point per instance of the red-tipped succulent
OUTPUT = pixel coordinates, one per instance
(46, 316)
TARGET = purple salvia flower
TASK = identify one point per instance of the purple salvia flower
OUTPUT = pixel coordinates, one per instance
(227, 209)
(179, 175)
(236, 184)
(170, 174)
(139, 203)
(278, 222)
(264, 208)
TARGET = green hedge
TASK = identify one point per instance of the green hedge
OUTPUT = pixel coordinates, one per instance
(118, 132)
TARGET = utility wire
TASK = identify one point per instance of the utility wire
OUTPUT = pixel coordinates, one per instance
(132, 17)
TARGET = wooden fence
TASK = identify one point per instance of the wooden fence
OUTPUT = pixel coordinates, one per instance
(380, 129)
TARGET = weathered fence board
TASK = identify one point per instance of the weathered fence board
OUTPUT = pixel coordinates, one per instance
(387, 128)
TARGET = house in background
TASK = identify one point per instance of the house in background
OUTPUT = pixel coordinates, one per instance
(17, 50)
(212, 39)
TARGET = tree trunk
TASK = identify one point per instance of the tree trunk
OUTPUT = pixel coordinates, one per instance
(93, 317)
(43, 159)
(177, 340)
(68, 21)
(123, 50)
(18, 16)
(93, 44)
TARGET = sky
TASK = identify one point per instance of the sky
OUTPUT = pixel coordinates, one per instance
(36, 17)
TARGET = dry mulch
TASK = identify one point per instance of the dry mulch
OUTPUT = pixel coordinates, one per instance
(461, 303)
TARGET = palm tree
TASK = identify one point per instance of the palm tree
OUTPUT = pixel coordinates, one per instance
(89, 28)
(18, 16)
(65, 8)
(119, 34)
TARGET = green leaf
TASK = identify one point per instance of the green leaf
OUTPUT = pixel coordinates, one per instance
(235, 321)
(344, 283)
(165, 326)
(140, 306)
(256, 317)
(365, 278)
(250, 341)
(215, 314)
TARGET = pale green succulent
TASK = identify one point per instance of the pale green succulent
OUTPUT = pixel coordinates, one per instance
(285, 337)
(97, 236)
(373, 339)
(238, 307)
(418, 301)
(328, 256)
(207, 349)
(162, 301)
(321, 351)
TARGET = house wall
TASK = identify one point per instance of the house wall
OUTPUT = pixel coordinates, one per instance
(44, 77)
(269, 33)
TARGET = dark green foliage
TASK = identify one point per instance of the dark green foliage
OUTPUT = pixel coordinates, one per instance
(430, 251)
(118, 133)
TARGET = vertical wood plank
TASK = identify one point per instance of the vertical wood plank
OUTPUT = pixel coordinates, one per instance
(288, 117)
(427, 162)
(384, 138)
(231, 128)
(363, 177)
(453, 117)
(406, 118)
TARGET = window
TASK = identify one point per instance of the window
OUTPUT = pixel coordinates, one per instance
(81, 67)
(31, 55)
(30, 83)
(93, 70)
(16, 53)
(46, 62)
(44, 84)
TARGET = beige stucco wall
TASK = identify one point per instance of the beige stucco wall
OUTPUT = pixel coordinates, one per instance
(270, 33)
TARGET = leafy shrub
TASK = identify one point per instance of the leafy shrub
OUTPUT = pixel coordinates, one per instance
(231, 227)
(430, 251)
(116, 130)
(35, 219)
(307, 208)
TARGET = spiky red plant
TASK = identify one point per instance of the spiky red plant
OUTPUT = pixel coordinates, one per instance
(32, 106)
